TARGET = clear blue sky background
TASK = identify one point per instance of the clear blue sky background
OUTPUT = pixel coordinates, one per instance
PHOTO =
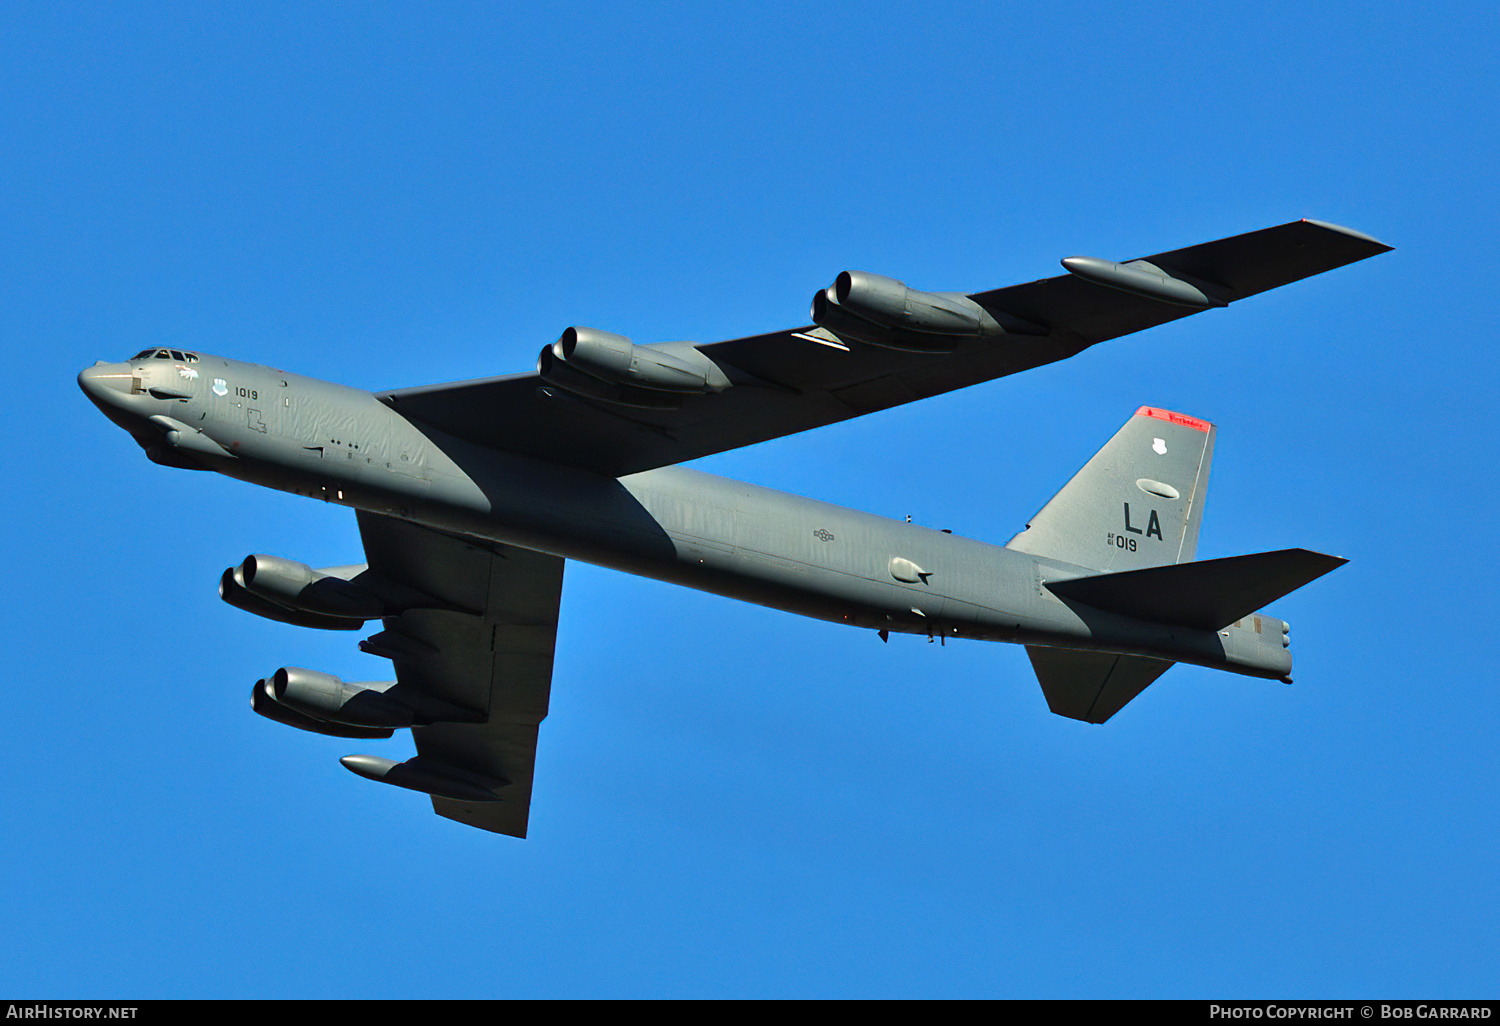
(732, 801)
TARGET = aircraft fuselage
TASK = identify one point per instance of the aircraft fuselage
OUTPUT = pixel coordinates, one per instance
(346, 447)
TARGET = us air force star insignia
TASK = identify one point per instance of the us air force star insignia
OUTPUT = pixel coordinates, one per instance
(221, 387)
(1160, 445)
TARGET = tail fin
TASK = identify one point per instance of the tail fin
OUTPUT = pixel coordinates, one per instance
(1136, 504)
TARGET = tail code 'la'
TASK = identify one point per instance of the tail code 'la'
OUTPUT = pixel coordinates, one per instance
(1136, 504)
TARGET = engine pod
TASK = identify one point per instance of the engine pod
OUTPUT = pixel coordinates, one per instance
(299, 587)
(235, 594)
(263, 702)
(375, 704)
(664, 367)
(885, 312)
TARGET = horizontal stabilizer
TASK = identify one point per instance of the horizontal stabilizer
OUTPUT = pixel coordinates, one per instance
(1091, 686)
(1205, 595)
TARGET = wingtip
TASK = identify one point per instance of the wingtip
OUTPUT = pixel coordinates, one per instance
(1334, 562)
(1349, 232)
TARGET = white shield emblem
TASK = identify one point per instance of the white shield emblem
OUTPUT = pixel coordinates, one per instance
(1159, 445)
(221, 387)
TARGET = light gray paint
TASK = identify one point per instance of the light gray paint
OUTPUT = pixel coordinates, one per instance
(576, 462)
(674, 524)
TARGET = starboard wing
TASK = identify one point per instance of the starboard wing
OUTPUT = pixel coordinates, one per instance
(485, 643)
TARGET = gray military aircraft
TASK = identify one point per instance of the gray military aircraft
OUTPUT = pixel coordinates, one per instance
(469, 497)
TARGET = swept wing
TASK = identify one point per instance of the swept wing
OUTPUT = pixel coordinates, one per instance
(801, 378)
(484, 642)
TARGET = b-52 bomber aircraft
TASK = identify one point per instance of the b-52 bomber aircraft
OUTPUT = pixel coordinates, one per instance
(470, 496)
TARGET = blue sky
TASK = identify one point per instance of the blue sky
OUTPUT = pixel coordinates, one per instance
(731, 801)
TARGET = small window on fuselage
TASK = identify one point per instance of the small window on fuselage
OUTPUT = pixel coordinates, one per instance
(144, 354)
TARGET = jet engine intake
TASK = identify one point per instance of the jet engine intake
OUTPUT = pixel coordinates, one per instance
(233, 593)
(273, 587)
(558, 376)
(379, 704)
(263, 701)
(675, 368)
(884, 312)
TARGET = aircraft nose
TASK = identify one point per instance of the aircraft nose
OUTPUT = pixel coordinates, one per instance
(102, 378)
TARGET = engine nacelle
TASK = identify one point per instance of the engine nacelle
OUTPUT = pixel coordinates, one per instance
(378, 704)
(232, 592)
(291, 592)
(326, 697)
(559, 376)
(263, 701)
(676, 369)
(884, 312)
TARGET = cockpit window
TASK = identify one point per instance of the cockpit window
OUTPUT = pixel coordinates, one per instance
(181, 356)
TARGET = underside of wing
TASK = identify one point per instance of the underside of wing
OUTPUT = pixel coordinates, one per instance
(522, 415)
(481, 640)
(601, 403)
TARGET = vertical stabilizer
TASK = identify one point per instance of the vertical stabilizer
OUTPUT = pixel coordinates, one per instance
(1092, 686)
(1136, 504)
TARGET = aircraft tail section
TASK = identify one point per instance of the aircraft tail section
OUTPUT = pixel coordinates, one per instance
(1133, 514)
(1138, 503)
(1219, 596)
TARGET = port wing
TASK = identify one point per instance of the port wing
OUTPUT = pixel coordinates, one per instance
(789, 381)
